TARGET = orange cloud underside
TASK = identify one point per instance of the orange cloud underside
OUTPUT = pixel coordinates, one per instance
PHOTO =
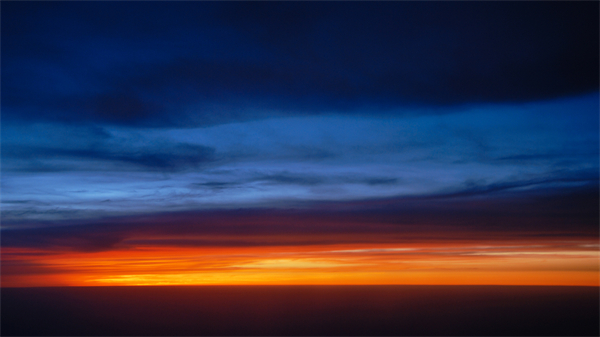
(505, 263)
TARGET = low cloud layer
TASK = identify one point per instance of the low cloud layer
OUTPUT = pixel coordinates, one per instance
(550, 214)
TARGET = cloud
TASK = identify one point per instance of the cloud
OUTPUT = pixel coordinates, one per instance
(56, 147)
(558, 212)
(473, 188)
(69, 171)
(173, 158)
(77, 238)
(287, 178)
(212, 63)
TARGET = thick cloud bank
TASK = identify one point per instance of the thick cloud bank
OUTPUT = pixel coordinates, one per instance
(198, 63)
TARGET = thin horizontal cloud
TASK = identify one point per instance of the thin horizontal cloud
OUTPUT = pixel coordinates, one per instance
(171, 158)
(288, 178)
(471, 188)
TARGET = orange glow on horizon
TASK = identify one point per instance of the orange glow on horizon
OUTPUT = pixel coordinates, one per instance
(464, 263)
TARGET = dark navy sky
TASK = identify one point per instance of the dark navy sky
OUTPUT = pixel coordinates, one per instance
(137, 108)
(197, 64)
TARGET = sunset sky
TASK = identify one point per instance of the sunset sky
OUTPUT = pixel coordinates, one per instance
(148, 143)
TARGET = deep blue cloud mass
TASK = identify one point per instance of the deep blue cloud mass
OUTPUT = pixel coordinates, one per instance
(197, 63)
(112, 110)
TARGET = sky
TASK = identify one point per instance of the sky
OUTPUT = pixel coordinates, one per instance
(299, 143)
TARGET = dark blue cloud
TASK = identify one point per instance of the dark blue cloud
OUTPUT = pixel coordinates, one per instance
(197, 63)
(172, 158)
(473, 188)
(287, 178)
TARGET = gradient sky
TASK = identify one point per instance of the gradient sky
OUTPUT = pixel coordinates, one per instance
(300, 143)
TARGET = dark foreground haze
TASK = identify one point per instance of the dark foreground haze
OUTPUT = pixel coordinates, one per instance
(301, 310)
